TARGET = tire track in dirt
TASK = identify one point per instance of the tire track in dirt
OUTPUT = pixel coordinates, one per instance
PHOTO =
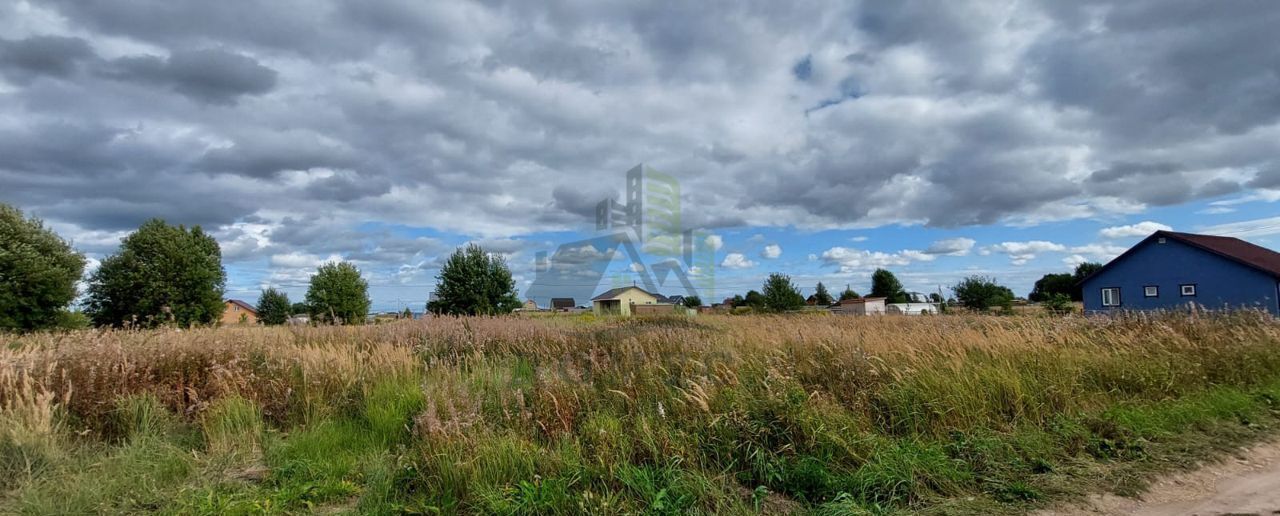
(1246, 483)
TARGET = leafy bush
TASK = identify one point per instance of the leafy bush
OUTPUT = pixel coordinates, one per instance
(780, 295)
(162, 274)
(848, 294)
(273, 307)
(885, 284)
(338, 294)
(982, 293)
(473, 282)
(1058, 303)
(38, 273)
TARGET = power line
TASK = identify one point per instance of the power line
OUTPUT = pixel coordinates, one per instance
(1247, 230)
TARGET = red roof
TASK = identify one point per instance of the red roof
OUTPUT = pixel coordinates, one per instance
(1231, 248)
(1249, 254)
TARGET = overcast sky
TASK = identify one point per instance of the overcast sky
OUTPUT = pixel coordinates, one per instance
(817, 138)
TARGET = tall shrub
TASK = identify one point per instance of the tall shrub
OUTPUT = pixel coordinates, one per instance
(982, 293)
(162, 274)
(473, 282)
(780, 294)
(273, 307)
(338, 295)
(885, 284)
(821, 296)
(38, 273)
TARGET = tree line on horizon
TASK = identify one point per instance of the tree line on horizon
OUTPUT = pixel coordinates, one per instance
(173, 275)
(166, 275)
(981, 293)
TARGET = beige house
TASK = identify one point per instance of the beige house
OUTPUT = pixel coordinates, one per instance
(236, 311)
(860, 306)
(624, 300)
(529, 306)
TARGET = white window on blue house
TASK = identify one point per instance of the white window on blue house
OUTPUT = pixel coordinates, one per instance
(1151, 291)
(1111, 296)
(1188, 290)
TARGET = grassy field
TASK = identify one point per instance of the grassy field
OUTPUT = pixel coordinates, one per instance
(718, 414)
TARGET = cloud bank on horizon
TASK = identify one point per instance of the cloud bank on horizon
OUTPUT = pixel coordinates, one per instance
(388, 131)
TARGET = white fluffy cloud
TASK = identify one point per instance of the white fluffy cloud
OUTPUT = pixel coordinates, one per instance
(1140, 229)
(737, 261)
(715, 242)
(771, 251)
(860, 260)
(1074, 260)
(1099, 252)
(1022, 252)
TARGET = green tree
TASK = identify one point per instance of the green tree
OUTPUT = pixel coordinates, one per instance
(1051, 284)
(885, 284)
(338, 294)
(692, 301)
(273, 307)
(38, 273)
(1082, 271)
(1058, 303)
(738, 300)
(982, 293)
(821, 296)
(299, 308)
(780, 294)
(754, 300)
(162, 274)
(473, 282)
(406, 314)
(848, 294)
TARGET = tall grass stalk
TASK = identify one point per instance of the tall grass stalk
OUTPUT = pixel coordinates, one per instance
(674, 415)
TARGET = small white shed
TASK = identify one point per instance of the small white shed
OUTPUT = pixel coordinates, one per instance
(860, 306)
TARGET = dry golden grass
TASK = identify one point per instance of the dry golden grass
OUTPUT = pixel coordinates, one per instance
(294, 372)
(716, 403)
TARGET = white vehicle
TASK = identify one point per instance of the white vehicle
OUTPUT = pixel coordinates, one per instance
(919, 304)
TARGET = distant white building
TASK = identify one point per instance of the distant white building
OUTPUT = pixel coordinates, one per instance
(860, 306)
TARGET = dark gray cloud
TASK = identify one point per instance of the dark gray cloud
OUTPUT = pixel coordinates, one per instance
(1150, 70)
(266, 153)
(581, 201)
(1154, 183)
(54, 56)
(1267, 177)
(208, 75)
(347, 186)
(287, 25)
(294, 125)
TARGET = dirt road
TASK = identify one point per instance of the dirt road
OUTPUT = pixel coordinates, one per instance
(1247, 483)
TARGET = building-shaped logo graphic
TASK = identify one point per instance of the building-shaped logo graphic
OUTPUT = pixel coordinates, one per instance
(649, 221)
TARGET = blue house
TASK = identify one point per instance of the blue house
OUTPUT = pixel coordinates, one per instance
(1169, 270)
